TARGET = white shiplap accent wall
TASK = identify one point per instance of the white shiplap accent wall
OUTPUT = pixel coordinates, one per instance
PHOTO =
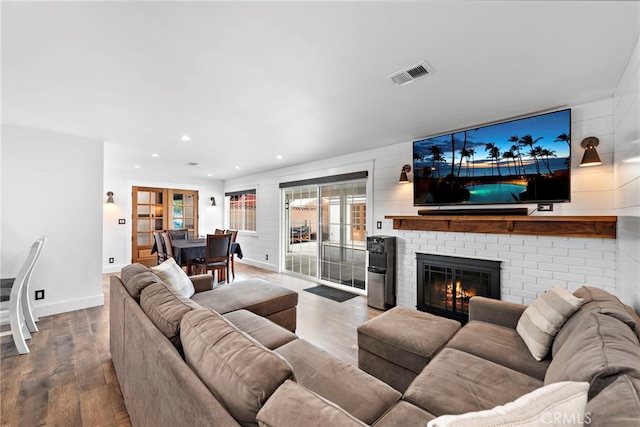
(530, 264)
(627, 180)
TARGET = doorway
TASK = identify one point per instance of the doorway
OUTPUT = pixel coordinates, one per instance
(159, 209)
(325, 232)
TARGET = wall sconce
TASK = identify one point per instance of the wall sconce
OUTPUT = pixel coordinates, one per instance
(404, 179)
(590, 157)
(213, 201)
(110, 197)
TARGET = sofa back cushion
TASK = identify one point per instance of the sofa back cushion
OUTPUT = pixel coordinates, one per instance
(595, 300)
(599, 351)
(165, 308)
(239, 371)
(136, 277)
(617, 405)
(128, 271)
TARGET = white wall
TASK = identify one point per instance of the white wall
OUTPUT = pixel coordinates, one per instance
(530, 264)
(117, 238)
(627, 180)
(266, 242)
(52, 185)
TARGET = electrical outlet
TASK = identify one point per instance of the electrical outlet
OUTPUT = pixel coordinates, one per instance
(545, 207)
(111, 260)
(121, 221)
(379, 225)
(266, 257)
(40, 294)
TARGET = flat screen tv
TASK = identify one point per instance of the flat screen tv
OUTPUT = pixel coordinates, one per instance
(526, 160)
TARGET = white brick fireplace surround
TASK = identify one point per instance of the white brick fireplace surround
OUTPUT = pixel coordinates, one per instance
(530, 265)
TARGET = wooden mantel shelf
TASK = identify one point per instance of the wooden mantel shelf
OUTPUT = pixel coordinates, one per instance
(567, 226)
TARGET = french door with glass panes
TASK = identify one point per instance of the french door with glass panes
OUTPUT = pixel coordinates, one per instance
(325, 233)
(160, 209)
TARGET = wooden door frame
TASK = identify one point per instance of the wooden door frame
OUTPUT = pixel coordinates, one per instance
(142, 252)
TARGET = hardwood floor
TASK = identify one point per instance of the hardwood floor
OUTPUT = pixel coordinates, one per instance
(68, 379)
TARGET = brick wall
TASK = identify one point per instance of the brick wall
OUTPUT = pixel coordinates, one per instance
(530, 264)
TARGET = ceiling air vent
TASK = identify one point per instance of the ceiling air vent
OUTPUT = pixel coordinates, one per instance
(192, 164)
(410, 74)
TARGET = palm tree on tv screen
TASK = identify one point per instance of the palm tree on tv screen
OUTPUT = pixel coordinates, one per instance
(528, 141)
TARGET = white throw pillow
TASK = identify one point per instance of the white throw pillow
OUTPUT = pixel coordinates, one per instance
(172, 275)
(562, 403)
(542, 320)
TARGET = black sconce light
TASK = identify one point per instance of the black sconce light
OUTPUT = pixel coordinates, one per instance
(213, 201)
(590, 157)
(404, 179)
(110, 197)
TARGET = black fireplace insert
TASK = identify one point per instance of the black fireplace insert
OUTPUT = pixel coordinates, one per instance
(445, 284)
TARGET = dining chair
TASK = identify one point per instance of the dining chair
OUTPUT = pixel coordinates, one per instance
(179, 234)
(216, 256)
(232, 255)
(219, 231)
(160, 249)
(30, 317)
(19, 328)
(168, 247)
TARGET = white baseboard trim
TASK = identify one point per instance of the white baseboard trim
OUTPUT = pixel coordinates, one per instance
(112, 268)
(60, 307)
(260, 264)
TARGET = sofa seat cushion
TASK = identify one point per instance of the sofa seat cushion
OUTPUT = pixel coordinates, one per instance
(355, 391)
(617, 405)
(455, 382)
(165, 308)
(404, 414)
(260, 329)
(406, 337)
(600, 350)
(293, 405)
(256, 295)
(136, 277)
(239, 372)
(499, 344)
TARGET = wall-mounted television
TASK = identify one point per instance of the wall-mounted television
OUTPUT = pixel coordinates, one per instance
(526, 160)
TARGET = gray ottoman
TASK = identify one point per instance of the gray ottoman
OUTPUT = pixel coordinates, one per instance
(396, 346)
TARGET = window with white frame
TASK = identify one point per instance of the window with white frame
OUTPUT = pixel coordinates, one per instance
(242, 207)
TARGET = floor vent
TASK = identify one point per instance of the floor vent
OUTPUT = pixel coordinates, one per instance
(410, 74)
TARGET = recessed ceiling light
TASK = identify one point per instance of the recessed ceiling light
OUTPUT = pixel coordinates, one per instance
(237, 167)
(185, 138)
(209, 174)
(279, 157)
(136, 166)
(155, 155)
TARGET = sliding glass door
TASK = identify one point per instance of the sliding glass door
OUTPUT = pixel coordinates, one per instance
(343, 245)
(301, 230)
(325, 231)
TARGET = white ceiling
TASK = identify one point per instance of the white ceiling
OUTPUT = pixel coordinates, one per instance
(306, 80)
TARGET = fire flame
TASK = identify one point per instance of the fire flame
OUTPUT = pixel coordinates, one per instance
(459, 291)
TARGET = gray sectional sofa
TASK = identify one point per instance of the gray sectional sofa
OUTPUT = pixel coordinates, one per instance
(229, 356)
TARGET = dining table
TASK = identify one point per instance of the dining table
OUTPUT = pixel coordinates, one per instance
(185, 250)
